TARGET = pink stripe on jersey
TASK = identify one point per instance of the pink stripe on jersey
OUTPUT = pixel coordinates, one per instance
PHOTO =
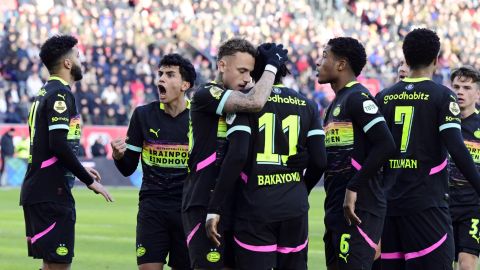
(413, 255)
(286, 250)
(48, 162)
(41, 234)
(356, 165)
(244, 177)
(209, 160)
(392, 256)
(192, 233)
(269, 248)
(438, 168)
(365, 236)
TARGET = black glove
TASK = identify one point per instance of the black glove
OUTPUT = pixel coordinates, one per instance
(299, 160)
(275, 54)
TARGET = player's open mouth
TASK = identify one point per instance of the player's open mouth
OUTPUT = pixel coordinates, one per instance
(161, 89)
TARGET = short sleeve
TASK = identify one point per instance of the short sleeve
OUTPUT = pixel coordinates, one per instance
(59, 108)
(315, 128)
(135, 133)
(364, 110)
(211, 98)
(449, 113)
(238, 122)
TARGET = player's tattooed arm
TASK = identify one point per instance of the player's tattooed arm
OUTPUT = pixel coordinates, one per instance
(255, 99)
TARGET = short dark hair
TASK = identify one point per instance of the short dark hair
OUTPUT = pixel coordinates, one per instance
(54, 49)
(350, 49)
(420, 47)
(467, 72)
(185, 66)
(234, 45)
(261, 62)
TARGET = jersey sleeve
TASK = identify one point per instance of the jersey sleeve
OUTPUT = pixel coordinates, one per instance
(364, 110)
(449, 113)
(211, 98)
(59, 108)
(238, 122)
(135, 134)
(315, 128)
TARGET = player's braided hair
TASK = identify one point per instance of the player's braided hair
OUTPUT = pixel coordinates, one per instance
(466, 72)
(350, 49)
(54, 49)
(186, 68)
(234, 45)
(421, 47)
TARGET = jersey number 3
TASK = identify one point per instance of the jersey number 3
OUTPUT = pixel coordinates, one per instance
(404, 116)
(291, 125)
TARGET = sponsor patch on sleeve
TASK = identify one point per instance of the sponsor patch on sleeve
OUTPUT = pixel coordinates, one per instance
(454, 108)
(370, 107)
(60, 106)
(216, 92)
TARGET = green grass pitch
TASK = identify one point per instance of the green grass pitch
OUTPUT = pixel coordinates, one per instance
(105, 232)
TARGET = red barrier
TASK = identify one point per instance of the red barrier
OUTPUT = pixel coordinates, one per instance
(89, 135)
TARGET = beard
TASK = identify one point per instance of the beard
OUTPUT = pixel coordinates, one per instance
(76, 73)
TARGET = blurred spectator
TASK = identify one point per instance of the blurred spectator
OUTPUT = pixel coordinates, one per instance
(98, 148)
(7, 147)
(121, 44)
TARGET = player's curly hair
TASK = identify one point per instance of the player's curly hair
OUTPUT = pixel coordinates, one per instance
(466, 72)
(261, 62)
(186, 68)
(54, 49)
(421, 47)
(350, 49)
(234, 45)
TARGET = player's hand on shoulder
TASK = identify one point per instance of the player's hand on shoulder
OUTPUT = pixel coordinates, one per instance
(119, 146)
(99, 188)
(275, 54)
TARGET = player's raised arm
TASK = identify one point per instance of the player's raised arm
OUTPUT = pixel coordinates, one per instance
(255, 99)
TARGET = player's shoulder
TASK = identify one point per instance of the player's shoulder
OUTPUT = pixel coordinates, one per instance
(147, 108)
(358, 92)
(54, 89)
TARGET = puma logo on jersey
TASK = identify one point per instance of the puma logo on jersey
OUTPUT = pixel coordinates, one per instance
(344, 257)
(366, 95)
(62, 96)
(154, 132)
(279, 57)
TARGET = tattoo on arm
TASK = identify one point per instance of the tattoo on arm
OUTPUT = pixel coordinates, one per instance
(255, 99)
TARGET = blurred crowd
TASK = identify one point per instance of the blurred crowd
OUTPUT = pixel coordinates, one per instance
(121, 43)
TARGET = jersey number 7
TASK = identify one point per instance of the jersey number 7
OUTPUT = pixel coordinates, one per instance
(404, 116)
(290, 124)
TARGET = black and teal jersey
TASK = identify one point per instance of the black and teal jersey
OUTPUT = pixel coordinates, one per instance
(416, 111)
(272, 191)
(349, 117)
(46, 180)
(162, 141)
(208, 142)
(461, 191)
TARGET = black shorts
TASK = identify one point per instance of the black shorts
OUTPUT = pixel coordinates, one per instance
(352, 247)
(281, 244)
(203, 252)
(160, 233)
(466, 230)
(50, 231)
(421, 241)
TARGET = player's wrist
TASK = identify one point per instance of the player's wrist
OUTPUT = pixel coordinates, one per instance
(211, 216)
(271, 68)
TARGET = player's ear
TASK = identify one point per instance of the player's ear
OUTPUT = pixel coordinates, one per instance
(67, 63)
(221, 64)
(341, 65)
(185, 86)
